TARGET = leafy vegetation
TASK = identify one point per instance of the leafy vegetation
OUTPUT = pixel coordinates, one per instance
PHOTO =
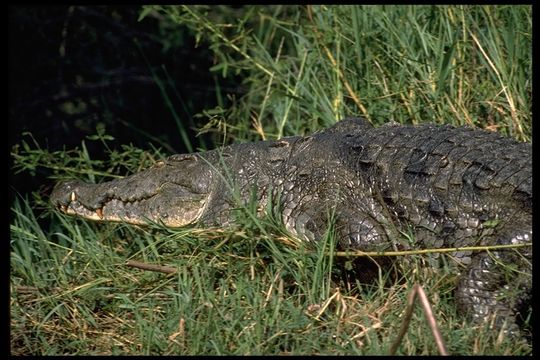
(250, 289)
(410, 64)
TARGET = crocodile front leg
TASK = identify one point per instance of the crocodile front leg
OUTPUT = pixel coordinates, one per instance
(495, 286)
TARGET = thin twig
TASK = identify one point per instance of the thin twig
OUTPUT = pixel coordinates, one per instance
(417, 290)
(26, 289)
(150, 267)
(429, 251)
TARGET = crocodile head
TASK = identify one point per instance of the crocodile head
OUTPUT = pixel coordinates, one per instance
(173, 192)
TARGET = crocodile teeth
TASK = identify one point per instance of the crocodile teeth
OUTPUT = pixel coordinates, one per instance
(99, 213)
(73, 197)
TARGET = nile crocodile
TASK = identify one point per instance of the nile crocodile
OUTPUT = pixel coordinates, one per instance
(452, 187)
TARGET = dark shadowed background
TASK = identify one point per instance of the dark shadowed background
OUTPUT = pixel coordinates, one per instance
(75, 69)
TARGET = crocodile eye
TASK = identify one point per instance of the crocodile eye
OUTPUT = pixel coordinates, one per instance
(279, 143)
(182, 157)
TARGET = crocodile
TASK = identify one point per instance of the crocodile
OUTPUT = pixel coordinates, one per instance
(452, 187)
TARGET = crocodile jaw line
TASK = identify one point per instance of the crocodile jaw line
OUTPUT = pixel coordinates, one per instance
(111, 210)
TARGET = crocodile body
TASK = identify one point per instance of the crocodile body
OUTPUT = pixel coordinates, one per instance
(449, 186)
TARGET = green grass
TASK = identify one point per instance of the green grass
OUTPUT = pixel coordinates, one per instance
(305, 67)
(236, 291)
(250, 289)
